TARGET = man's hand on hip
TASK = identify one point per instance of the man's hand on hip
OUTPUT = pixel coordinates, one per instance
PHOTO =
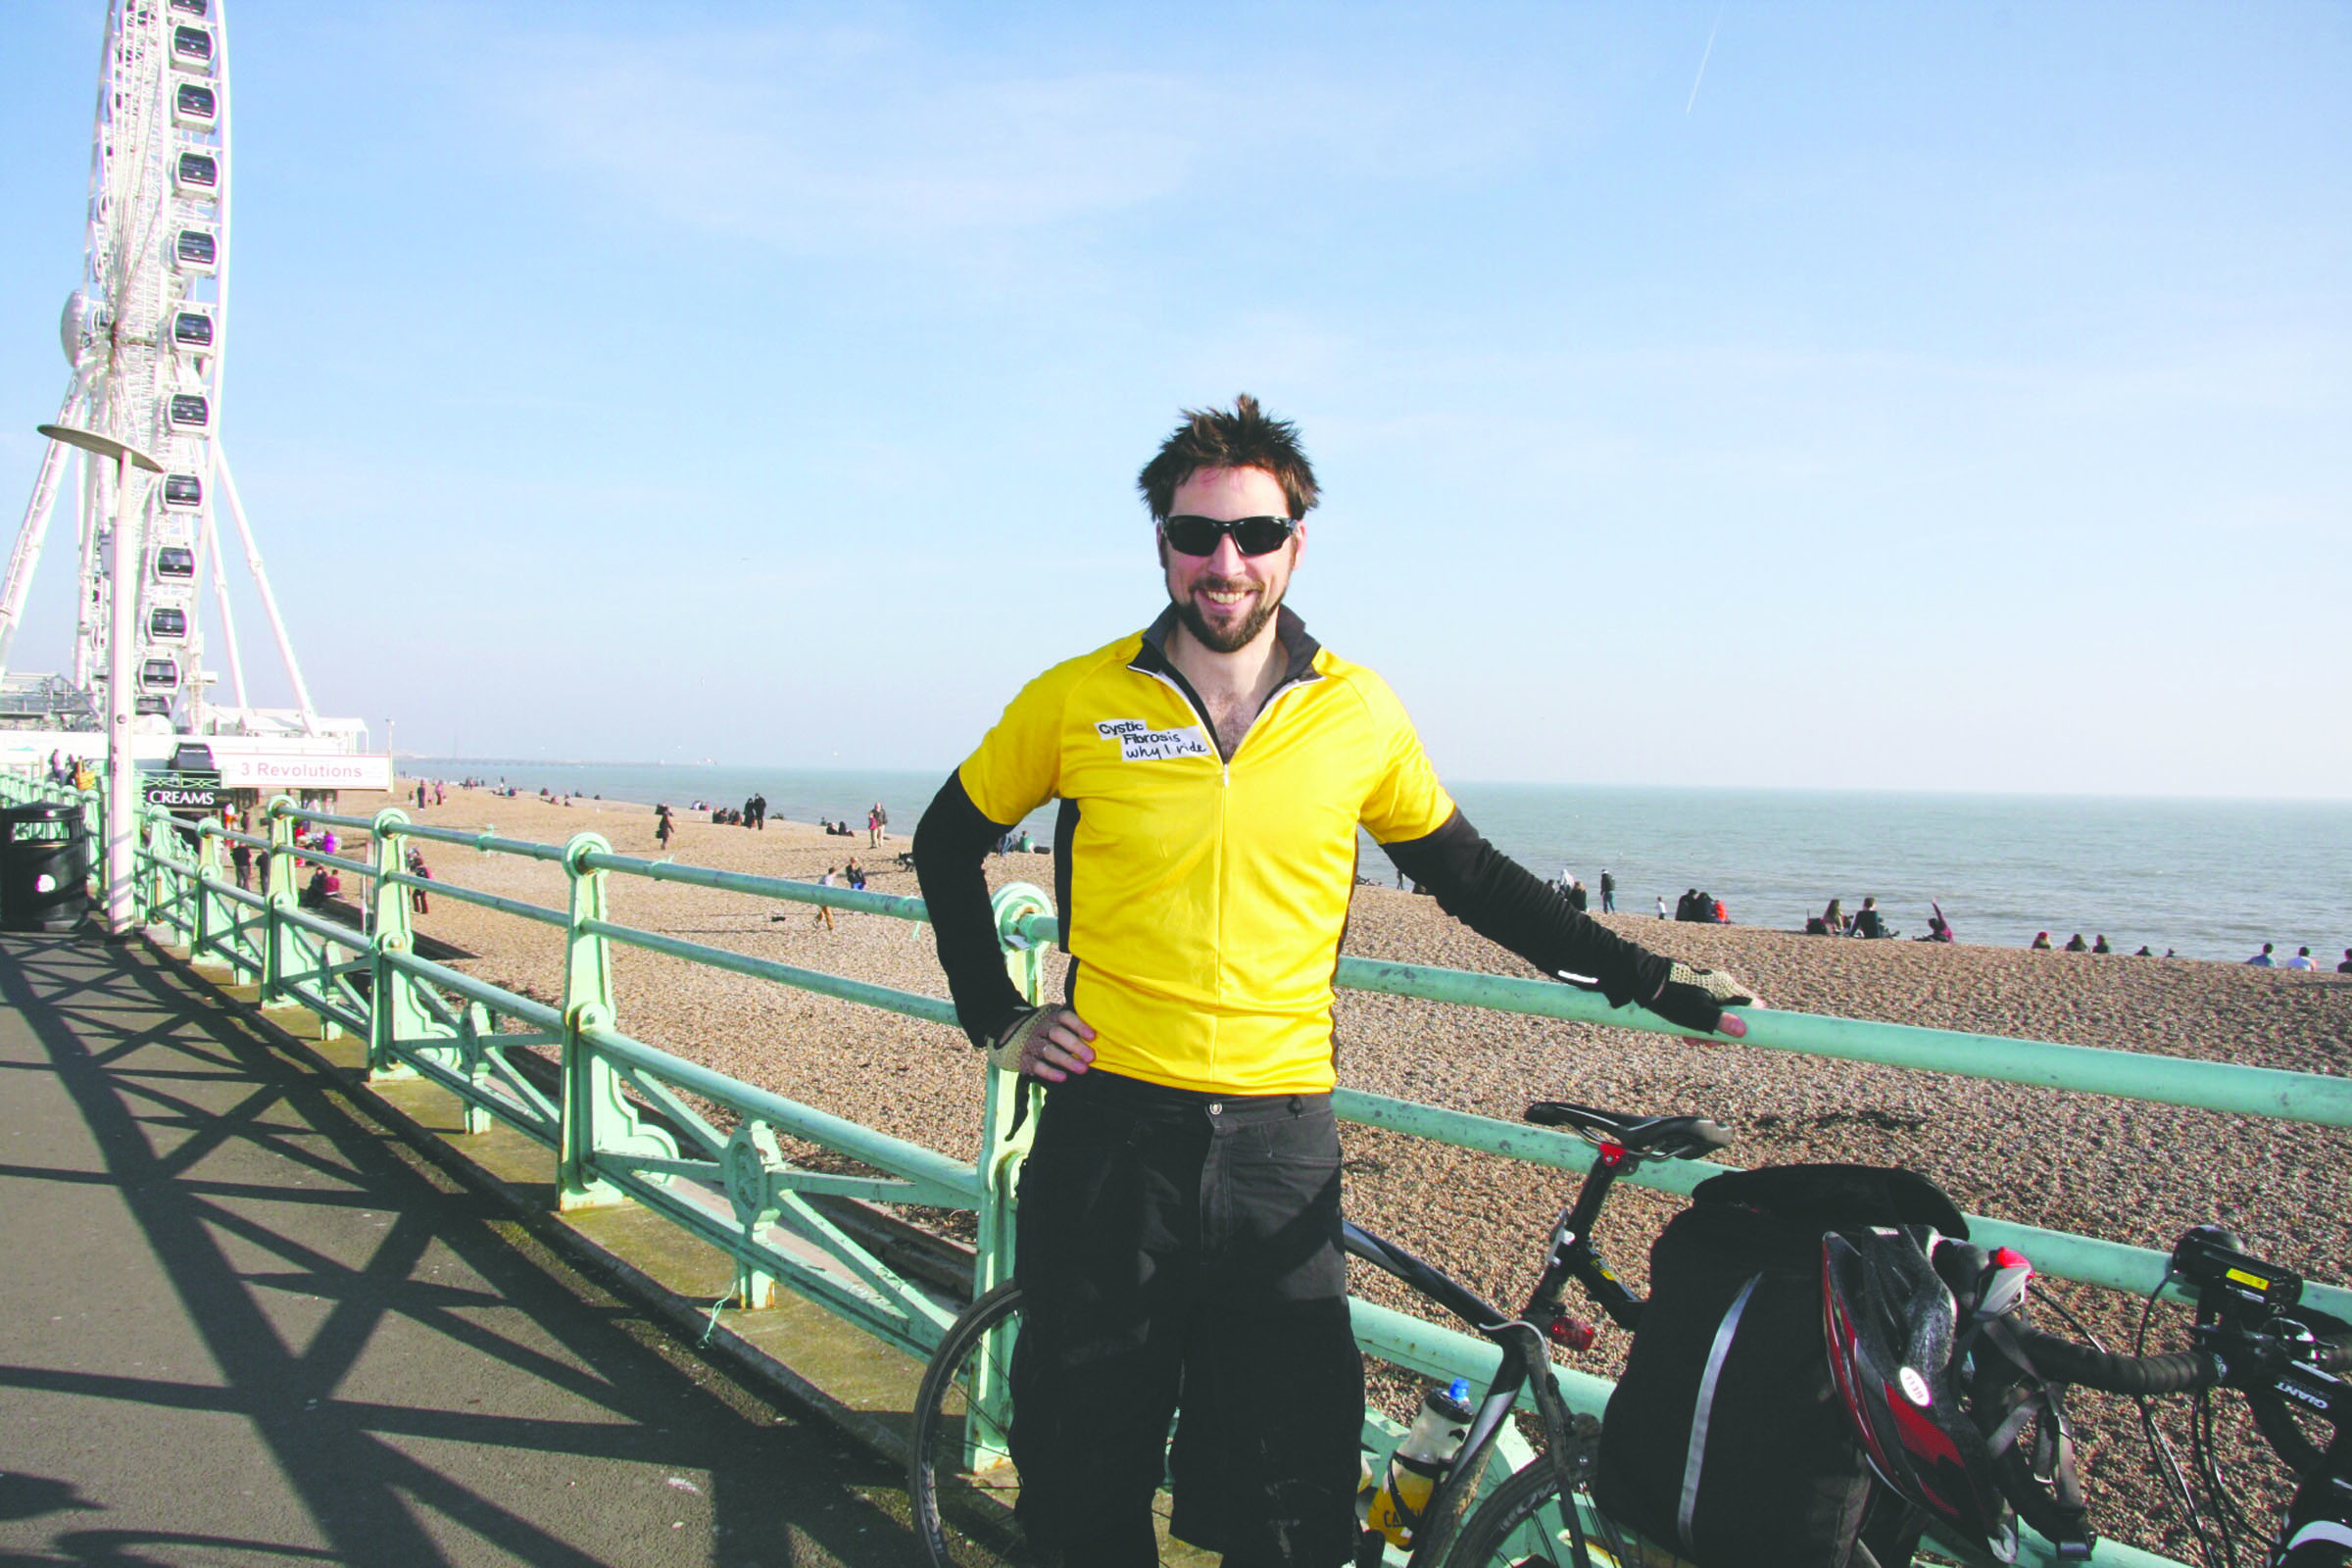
(1050, 1045)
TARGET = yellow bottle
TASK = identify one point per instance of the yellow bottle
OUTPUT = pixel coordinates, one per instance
(1420, 1463)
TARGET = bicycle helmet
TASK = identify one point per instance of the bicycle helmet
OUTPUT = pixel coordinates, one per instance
(1890, 1323)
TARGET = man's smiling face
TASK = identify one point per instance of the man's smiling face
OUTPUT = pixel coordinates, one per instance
(1226, 599)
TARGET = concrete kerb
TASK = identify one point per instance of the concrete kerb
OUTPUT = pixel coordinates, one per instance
(863, 1388)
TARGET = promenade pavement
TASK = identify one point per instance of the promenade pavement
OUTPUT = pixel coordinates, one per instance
(241, 1324)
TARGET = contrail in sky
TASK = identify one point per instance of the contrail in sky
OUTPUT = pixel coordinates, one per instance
(1703, 60)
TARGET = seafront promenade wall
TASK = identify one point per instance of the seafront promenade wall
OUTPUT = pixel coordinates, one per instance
(763, 1177)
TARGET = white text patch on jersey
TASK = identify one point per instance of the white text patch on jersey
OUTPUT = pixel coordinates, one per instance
(1139, 743)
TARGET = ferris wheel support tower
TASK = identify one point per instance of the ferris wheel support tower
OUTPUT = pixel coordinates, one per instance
(145, 335)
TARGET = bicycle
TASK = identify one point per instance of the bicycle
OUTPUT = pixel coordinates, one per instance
(961, 1482)
(2252, 1333)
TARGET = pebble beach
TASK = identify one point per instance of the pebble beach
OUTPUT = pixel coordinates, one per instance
(2111, 1168)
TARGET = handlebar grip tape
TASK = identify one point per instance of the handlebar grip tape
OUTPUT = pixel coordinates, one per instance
(2064, 1361)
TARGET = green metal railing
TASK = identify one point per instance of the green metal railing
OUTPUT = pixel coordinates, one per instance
(734, 1186)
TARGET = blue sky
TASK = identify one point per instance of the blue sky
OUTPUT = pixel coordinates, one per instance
(1923, 397)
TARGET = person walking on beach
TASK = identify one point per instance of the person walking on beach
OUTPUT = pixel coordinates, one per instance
(2263, 960)
(664, 828)
(1661, 906)
(419, 900)
(824, 911)
(1608, 891)
(1178, 1242)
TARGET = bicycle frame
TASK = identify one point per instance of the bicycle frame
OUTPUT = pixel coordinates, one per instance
(2245, 1308)
(1526, 1347)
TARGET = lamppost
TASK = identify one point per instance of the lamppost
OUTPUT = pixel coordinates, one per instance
(391, 756)
(121, 595)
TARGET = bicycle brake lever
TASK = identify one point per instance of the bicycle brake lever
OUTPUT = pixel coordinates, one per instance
(2004, 1285)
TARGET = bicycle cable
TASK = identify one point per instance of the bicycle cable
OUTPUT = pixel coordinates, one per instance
(2159, 1447)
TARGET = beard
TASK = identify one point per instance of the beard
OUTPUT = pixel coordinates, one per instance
(1236, 635)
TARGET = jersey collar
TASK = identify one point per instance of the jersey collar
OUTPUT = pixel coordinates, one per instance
(1297, 643)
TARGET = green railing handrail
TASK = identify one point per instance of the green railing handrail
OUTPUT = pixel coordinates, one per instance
(608, 1152)
(2322, 1099)
(912, 1004)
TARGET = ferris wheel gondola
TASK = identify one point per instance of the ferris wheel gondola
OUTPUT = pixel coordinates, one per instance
(145, 335)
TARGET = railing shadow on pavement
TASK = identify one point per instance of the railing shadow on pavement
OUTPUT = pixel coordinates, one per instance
(227, 1157)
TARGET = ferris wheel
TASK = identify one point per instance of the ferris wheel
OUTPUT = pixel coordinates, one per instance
(145, 335)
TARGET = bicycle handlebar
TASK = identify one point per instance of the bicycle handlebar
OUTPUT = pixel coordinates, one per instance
(2062, 1360)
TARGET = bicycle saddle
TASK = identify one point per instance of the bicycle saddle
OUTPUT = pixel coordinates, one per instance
(1650, 1137)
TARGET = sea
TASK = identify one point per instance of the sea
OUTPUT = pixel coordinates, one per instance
(2202, 878)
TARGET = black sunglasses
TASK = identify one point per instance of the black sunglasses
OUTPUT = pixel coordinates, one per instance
(1188, 535)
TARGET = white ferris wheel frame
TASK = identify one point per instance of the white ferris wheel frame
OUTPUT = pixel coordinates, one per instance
(132, 224)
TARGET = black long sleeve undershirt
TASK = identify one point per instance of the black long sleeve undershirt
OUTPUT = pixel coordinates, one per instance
(1474, 882)
(1502, 900)
(951, 844)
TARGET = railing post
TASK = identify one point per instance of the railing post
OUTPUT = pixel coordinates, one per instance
(151, 839)
(208, 867)
(595, 1114)
(1002, 1145)
(278, 863)
(393, 1014)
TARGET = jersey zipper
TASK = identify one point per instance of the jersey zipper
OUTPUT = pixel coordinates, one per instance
(1264, 708)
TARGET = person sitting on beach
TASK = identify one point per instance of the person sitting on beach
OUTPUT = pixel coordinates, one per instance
(2301, 960)
(2040, 942)
(2145, 952)
(2345, 967)
(1868, 922)
(2263, 960)
(2075, 944)
(1834, 917)
(1939, 929)
(2101, 946)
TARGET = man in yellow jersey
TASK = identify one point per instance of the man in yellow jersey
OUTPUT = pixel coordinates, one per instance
(1179, 1226)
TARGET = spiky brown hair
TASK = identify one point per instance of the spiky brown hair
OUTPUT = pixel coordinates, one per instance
(1242, 438)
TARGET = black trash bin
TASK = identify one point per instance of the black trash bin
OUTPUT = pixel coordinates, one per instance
(44, 867)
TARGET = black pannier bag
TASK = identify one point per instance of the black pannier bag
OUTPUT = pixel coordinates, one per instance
(1725, 1439)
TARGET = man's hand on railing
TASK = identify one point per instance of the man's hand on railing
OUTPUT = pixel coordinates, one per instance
(1695, 999)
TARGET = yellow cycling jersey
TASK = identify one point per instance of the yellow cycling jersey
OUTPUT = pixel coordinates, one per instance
(1203, 898)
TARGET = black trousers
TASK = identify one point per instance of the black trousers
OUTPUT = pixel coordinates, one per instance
(1179, 1252)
